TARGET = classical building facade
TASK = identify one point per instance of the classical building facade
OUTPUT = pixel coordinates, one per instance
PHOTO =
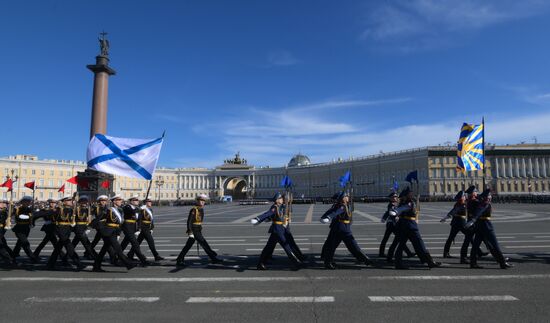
(510, 170)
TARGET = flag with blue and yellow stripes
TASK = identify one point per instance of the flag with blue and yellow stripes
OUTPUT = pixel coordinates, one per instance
(470, 148)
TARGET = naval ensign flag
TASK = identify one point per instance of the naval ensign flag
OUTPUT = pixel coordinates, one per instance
(128, 157)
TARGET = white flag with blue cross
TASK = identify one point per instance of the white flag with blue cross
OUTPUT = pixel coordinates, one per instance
(129, 157)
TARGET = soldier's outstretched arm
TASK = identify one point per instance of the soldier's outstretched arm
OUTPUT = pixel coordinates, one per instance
(331, 214)
(264, 216)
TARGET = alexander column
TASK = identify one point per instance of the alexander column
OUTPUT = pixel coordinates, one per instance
(96, 181)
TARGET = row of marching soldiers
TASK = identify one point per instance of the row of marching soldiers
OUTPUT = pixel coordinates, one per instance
(63, 218)
(470, 215)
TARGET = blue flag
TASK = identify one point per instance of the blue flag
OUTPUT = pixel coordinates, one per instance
(286, 182)
(412, 176)
(395, 186)
(344, 180)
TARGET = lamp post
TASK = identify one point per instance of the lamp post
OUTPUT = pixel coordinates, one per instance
(159, 182)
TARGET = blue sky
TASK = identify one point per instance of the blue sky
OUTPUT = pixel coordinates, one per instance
(273, 78)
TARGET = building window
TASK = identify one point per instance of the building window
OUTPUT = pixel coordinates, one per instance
(51, 173)
(33, 172)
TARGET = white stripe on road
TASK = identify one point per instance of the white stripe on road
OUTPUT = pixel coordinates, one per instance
(469, 277)
(91, 299)
(247, 218)
(309, 214)
(409, 299)
(368, 216)
(158, 279)
(303, 299)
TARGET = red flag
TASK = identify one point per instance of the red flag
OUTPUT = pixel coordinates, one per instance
(30, 185)
(73, 180)
(8, 184)
(62, 189)
(80, 182)
(105, 184)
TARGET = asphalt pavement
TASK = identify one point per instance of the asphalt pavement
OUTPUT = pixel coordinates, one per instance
(236, 292)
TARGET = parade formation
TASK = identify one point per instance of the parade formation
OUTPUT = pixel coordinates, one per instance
(64, 219)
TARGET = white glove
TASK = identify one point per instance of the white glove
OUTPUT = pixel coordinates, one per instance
(137, 233)
(254, 221)
(191, 236)
(392, 213)
(87, 232)
(8, 227)
(151, 232)
(73, 225)
(24, 217)
(143, 207)
(325, 220)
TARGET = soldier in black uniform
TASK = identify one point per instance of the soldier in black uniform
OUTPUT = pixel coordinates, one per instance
(22, 228)
(48, 227)
(64, 221)
(83, 219)
(407, 229)
(484, 231)
(129, 227)
(194, 230)
(146, 224)
(390, 217)
(458, 215)
(98, 212)
(342, 227)
(109, 223)
(5, 252)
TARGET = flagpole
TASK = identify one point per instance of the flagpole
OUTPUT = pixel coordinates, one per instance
(484, 156)
(149, 188)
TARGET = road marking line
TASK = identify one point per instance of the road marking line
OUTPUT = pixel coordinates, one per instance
(246, 218)
(368, 216)
(472, 277)
(158, 279)
(309, 214)
(410, 299)
(303, 299)
(521, 247)
(91, 299)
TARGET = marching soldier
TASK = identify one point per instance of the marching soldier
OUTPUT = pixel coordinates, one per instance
(83, 218)
(330, 238)
(109, 223)
(22, 228)
(277, 233)
(131, 214)
(390, 217)
(5, 251)
(472, 204)
(48, 227)
(99, 211)
(407, 229)
(343, 215)
(64, 221)
(484, 231)
(458, 223)
(194, 230)
(287, 211)
(146, 224)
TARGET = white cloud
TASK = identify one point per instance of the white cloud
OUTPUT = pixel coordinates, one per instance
(271, 138)
(281, 58)
(425, 24)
